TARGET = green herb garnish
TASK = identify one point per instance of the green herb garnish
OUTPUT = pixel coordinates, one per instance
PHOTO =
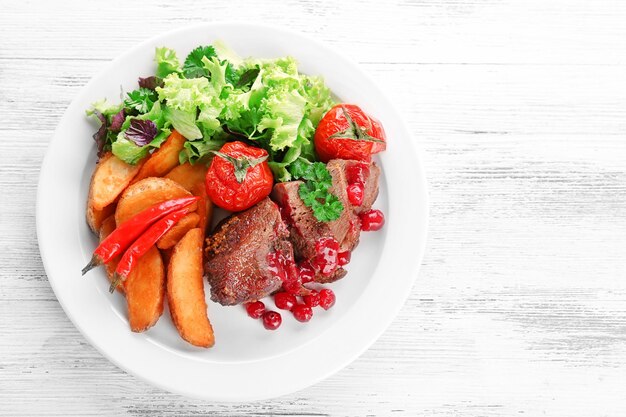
(193, 66)
(140, 100)
(315, 190)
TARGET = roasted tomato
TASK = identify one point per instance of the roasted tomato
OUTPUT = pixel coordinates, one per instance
(347, 132)
(239, 176)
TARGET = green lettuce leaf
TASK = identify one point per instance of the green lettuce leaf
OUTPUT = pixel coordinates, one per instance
(185, 94)
(184, 122)
(127, 150)
(167, 62)
(104, 107)
(200, 150)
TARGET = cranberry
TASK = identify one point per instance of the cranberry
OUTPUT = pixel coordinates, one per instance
(284, 300)
(326, 259)
(292, 287)
(281, 266)
(302, 312)
(307, 273)
(343, 258)
(357, 173)
(372, 220)
(255, 309)
(272, 320)
(313, 299)
(327, 298)
(355, 194)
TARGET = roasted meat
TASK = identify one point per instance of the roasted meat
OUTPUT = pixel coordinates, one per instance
(367, 174)
(248, 255)
(251, 254)
(305, 230)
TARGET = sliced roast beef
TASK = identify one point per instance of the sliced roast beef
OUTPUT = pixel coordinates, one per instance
(347, 228)
(306, 231)
(364, 173)
(304, 228)
(248, 255)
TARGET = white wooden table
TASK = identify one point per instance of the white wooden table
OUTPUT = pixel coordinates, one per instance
(520, 109)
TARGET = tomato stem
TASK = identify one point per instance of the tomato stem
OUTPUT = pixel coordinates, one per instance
(241, 164)
(354, 131)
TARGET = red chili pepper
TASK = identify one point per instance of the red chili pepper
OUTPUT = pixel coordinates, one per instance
(142, 245)
(130, 230)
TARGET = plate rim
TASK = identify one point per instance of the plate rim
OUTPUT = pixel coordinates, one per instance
(420, 244)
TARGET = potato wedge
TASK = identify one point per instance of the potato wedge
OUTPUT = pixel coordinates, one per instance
(108, 226)
(145, 193)
(166, 254)
(163, 159)
(185, 291)
(109, 179)
(188, 175)
(95, 218)
(145, 291)
(180, 229)
(205, 207)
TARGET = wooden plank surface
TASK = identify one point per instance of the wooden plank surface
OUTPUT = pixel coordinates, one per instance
(520, 110)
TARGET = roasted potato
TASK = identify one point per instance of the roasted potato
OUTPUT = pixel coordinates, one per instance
(145, 193)
(172, 236)
(95, 218)
(188, 175)
(108, 226)
(205, 207)
(145, 291)
(109, 179)
(163, 159)
(166, 254)
(185, 291)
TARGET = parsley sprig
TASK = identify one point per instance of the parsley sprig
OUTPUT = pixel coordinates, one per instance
(193, 66)
(140, 100)
(315, 190)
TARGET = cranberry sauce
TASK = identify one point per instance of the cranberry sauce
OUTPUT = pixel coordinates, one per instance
(358, 173)
(372, 220)
(281, 266)
(325, 260)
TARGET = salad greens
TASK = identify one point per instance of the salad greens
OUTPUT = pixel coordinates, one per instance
(214, 96)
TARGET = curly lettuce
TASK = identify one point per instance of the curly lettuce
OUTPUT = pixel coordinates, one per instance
(216, 96)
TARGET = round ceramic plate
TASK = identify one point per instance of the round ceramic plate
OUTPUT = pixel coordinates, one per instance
(381, 274)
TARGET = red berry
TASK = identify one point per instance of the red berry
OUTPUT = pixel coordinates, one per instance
(284, 300)
(255, 309)
(312, 299)
(307, 273)
(326, 259)
(272, 320)
(302, 312)
(327, 298)
(355, 194)
(344, 258)
(357, 173)
(372, 220)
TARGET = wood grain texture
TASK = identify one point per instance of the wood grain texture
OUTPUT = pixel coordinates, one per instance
(520, 109)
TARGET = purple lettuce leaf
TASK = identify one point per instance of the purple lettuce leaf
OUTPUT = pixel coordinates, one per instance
(150, 83)
(141, 131)
(101, 135)
(116, 121)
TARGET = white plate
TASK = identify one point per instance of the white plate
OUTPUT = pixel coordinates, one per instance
(247, 362)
